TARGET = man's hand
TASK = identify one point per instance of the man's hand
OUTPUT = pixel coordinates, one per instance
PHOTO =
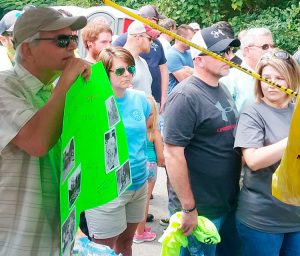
(74, 67)
(189, 222)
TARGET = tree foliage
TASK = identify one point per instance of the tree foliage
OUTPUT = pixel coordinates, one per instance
(282, 17)
(284, 24)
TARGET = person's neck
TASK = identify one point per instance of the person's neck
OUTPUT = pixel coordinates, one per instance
(90, 58)
(179, 47)
(251, 63)
(207, 78)
(134, 50)
(119, 92)
(278, 104)
(167, 37)
(45, 76)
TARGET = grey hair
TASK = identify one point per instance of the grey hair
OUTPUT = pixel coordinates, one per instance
(249, 37)
(18, 53)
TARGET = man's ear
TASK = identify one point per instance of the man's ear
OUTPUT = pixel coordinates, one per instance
(26, 50)
(246, 51)
(200, 61)
(89, 44)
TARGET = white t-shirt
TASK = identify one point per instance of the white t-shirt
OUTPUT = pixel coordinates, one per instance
(142, 78)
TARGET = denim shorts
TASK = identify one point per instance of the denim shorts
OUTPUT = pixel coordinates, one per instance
(152, 170)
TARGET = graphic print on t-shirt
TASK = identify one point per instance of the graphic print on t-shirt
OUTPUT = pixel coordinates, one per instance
(226, 110)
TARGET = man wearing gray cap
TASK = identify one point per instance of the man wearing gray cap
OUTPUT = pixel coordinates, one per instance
(31, 114)
(200, 116)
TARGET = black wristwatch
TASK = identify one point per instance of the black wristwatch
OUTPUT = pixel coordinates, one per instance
(188, 210)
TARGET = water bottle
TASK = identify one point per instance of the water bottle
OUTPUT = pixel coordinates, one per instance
(194, 246)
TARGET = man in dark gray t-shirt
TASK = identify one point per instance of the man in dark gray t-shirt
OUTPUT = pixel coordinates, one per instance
(200, 116)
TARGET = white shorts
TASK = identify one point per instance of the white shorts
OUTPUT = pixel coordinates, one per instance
(111, 219)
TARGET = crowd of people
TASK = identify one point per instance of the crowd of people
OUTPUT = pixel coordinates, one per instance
(219, 132)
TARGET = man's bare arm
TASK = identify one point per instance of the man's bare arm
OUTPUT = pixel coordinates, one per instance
(183, 73)
(178, 174)
(164, 85)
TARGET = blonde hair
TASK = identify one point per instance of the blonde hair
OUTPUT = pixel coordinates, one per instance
(154, 124)
(288, 68)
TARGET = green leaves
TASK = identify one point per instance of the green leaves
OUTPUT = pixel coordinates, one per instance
(283, 22)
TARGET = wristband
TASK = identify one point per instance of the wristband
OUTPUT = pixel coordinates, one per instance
(188, 210)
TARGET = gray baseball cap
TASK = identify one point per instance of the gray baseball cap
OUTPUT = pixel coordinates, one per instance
(8, 21)
(40, 19)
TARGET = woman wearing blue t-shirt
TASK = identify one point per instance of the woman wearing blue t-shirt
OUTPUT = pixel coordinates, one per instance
(114, 224)
(267, 226)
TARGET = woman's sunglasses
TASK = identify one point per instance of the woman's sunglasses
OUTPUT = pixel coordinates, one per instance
(62, 41)
(279, 55)
(121, 71)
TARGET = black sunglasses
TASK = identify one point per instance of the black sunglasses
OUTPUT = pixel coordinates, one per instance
(279, 55)
(62, 41)
(121, 71)
(149, 38)
(226, 51)
(7, 33)
(221, 53)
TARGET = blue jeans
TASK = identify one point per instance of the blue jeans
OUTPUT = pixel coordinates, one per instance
(259, 243)
(209, 250)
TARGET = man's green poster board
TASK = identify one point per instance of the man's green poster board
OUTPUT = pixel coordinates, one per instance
(95, 167)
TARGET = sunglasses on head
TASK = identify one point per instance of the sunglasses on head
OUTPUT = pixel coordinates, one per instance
(121, 71)
(264, 46)
(279, 55)
(62, 41)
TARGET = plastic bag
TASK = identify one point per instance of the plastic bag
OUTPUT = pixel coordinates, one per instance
(84, 247)
(173, 238)
(286, 179)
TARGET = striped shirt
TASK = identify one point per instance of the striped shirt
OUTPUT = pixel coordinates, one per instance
(29, 186)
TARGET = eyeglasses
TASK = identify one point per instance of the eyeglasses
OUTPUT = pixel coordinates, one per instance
(155, 19)
(264, 46)
(62, 41)
(148, 37)
(279, 55)
(121, 71)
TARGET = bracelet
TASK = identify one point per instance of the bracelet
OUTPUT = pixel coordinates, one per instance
(188, 210)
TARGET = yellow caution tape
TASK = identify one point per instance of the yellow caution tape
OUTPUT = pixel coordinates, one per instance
(212, 54)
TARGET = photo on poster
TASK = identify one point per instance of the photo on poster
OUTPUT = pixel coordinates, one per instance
(123, 177)
(112, 111)
(74, 185)
(68, 158)
(68, 233)
(111, 151)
